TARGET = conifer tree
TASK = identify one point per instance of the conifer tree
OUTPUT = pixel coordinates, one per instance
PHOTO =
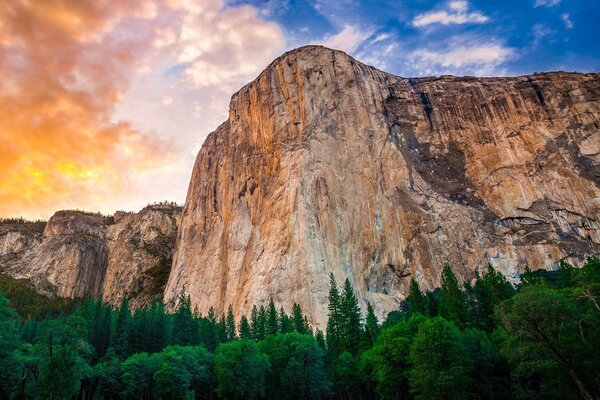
(417, 302)
(261, 326)
(452, 300)
(230, 324)
(298, 320)
(350, 320)
(320, 338)
(334, 319)
(272, 319)
(222, 329)
(285, 324)
(371, 329)
(122, 330)
(184, 326)
(254, 321)
(245, 330)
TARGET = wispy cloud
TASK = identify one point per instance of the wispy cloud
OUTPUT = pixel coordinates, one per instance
(567, 20)
(546, 3)
(348, 39)
(455, 12)
(463, 56)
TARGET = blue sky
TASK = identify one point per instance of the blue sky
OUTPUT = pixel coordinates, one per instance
(106, 103)
(415, 38)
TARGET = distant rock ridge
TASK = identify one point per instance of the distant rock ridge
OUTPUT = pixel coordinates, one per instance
(79, 254)
(326, 165)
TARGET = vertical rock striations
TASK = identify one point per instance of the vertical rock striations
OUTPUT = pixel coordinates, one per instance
(78, 254)
(327, 165)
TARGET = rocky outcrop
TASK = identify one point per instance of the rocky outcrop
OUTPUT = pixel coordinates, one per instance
(81, 254)
(327, 165)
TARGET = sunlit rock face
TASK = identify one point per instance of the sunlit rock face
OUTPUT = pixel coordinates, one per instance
(327, 165)
(79, 254)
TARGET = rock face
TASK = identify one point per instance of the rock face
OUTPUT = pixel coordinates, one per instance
(79, 254)
(327, 165)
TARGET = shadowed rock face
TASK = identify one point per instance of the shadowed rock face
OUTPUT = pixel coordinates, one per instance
(79, 254)
(327, 166)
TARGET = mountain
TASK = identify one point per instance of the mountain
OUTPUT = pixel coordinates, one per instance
(329, 166)
(79, 254)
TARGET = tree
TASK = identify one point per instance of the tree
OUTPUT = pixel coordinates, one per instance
(184, 326)
(108, 376)
(138, 375)
(417, 302)
(9, 345)
(452, 300)
(390, 357)
(440, 363)
(240, 370)
(272, 327)
(298, 321)
(245, 330)
(285, 324)
(320, 338)
(230, 325)
(334, 320)
(350, 327)
(61, 358)
(181, 370)
(122, 330)
(490, 376)
(371, 329)
(297, 367)
(552, 333)
(345, 375)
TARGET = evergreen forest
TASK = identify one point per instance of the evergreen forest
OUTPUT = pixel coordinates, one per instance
(485, 339)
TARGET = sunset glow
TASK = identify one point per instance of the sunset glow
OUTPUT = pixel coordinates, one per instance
(104, 104)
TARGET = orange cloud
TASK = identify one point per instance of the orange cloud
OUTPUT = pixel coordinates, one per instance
(63, 67)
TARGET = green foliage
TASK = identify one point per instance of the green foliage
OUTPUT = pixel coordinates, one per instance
(488, 341)
(240, 370)
(452, 299)
(440, 362)
(417, 302)
(297, 367)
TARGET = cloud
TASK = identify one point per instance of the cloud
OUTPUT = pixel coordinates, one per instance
(348, 39)
(567, 20)
(456, 13)
(224, 46)
(70, 67)
(463, 56)
(546, 3)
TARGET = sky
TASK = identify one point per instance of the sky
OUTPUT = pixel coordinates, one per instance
(104, 104)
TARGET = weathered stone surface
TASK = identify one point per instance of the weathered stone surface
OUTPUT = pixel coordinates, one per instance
(327, 166)
(81, 254)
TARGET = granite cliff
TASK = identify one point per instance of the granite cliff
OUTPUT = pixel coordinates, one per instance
(327, 165)
(78, 254)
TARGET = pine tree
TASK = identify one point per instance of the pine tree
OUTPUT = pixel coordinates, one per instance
(122, 330)
(417, 302)
(371, 329)
(230, 325)
(272, 319)
(254, 321)
(245, 330)
(298, 320)
(320, 338)
(350, 320)
(184, 326)
(334, 319)
(222, 329)
(285, 324)
(261, 326)
(452, 300)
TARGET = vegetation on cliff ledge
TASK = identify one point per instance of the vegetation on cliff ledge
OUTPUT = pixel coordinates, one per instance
(484, 340)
